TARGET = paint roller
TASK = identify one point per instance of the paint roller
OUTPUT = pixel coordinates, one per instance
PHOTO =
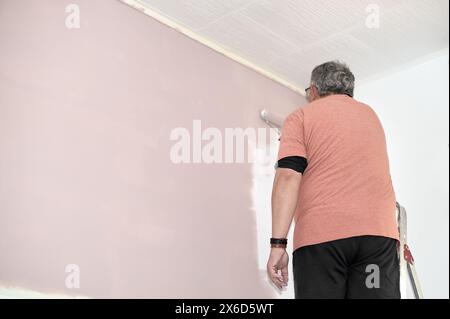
(271, 119)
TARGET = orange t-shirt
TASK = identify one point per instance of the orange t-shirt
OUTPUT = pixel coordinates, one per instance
(346, 189)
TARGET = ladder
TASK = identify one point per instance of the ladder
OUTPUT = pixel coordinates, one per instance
(407, 268)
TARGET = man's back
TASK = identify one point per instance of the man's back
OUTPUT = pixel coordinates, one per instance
(333, 178)
(346, 189)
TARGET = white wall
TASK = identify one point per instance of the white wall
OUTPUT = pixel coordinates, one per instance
(413, 106)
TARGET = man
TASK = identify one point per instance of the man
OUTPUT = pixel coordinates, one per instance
(333, 178)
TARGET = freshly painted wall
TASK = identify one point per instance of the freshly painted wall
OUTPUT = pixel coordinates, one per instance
(413, 106)
(85, 170)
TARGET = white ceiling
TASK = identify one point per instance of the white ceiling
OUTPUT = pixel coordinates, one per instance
(288, 38)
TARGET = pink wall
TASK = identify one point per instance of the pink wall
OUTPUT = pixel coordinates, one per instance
(85, 173)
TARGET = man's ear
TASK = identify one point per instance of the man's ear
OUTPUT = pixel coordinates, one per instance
(311, 94)
(315, 92)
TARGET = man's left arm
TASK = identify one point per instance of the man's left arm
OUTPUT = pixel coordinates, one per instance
(291, 165)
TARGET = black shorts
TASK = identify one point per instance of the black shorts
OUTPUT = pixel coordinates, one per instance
(364, 267)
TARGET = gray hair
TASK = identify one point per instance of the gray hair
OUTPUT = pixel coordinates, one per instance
(333, 77)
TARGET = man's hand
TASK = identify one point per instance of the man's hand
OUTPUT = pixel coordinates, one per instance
(277, 267)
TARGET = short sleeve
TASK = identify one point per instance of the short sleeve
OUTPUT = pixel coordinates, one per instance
(292, 141)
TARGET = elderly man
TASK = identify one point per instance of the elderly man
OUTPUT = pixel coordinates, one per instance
(333, 178)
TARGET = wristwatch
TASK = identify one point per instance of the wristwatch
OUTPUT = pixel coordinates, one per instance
(278, 242)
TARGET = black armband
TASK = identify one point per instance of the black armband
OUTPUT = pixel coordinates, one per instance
(297, 163)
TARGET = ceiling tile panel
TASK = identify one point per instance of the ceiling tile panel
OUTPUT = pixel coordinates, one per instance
(361, 59)
(195, 14)
(247, 38)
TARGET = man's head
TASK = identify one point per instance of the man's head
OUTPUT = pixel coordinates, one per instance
(330, 78)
